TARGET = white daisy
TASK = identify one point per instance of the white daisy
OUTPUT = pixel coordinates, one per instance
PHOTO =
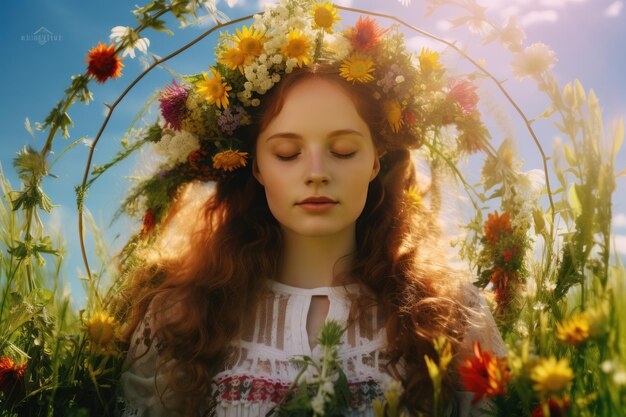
(533, 61)
(128, 37)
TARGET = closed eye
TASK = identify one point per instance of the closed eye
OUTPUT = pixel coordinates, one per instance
(338, 155)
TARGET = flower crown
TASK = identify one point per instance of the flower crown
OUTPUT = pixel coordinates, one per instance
(202, 113)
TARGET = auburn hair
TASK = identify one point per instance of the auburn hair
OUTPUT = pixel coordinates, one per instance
(229, 241)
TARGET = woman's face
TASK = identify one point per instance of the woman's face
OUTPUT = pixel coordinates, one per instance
(317, 146)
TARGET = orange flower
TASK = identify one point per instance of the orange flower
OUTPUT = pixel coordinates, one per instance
(558, 408)
(11, 379)
(366, 34)
(484, 374)
(102, 62)
(509, 254)
(497, 226)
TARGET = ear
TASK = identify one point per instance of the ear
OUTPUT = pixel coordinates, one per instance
(376, 167)
(256, 172)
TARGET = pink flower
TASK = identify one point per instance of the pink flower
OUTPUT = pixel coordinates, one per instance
(464, 93)
(173, 105)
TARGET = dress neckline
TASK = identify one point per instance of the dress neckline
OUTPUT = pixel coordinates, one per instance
(326, 290)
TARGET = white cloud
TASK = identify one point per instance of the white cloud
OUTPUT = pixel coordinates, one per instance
(538, 17)
(558, 3)
(619, 220)
(416, 43)
(615, 9)
(620, 244)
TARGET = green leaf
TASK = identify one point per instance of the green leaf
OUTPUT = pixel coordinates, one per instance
(569, 155)
(574, 201)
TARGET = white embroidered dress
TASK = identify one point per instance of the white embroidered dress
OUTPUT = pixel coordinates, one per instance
(262, 372)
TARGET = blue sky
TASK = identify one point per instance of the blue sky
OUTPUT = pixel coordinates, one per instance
(586, 35)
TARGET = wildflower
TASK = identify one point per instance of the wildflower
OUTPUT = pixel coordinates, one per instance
(173, 105)
(379, 408)
(234, 58)
(249, 41)
(408, 117)
(325, 16)
(366, 34)
(464, 93)
(512, 36)
(148, 222)
(176, 146)
(125, 35)
(229, 160)
(429, 61)
(573, 331)
(414, 196)
(101, 328)
(598, 319)
(484, 374)
(357, 68)
(11, 379)
(535, 60)
(214, 89)
(557, 407)
(298, 46)
(393, 113)
(509, 254)
(392, 392)
(232, 118)
(497, 226)
(102, 62)
(551, 376)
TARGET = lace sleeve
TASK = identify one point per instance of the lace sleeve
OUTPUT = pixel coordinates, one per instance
(482, 328)
(142, 389)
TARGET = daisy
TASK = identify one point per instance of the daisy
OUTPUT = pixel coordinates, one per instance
(429, 61)
(249, 41)
(101, 328)
(234, 58)
(215, 90)
(393, 114)
(551, 376)
(102, 62)
(229, 160)
(357, 68)
(298, 46)
(573, 331)
(325, 16)
(125, 35)
(484, 374)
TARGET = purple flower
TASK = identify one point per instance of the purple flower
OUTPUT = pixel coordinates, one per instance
(230, 119)
(173, 108)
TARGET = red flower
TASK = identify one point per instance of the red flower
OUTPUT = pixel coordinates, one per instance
(365, 34)
(509, 254)
(409, 117)
(12, 379)
(484, 374)
(558, 408)
(148, 222)
(464, 93)
(102, 62)
(497, 226)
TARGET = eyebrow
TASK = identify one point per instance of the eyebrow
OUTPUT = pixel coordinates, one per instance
(291, 135)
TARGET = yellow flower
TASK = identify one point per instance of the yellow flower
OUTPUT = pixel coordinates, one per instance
(415, 197)
(229, 160)
(215, 90)
(573, 331)
(551, 376)
(393, 113)
(429, 61)
(379, 408)
(249, 41)
(101, 328)
(357, 68)
(325, 16)
(234, 58)
(298, 46)
(598, 317)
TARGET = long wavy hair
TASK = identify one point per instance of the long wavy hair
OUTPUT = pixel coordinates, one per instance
(228, 242)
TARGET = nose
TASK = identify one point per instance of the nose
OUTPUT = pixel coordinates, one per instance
(317, 168)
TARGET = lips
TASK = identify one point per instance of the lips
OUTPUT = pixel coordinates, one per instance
(317, 200)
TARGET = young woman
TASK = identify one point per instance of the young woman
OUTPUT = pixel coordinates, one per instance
(319, 226)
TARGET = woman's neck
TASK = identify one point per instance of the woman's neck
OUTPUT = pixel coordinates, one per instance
(308, 261)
